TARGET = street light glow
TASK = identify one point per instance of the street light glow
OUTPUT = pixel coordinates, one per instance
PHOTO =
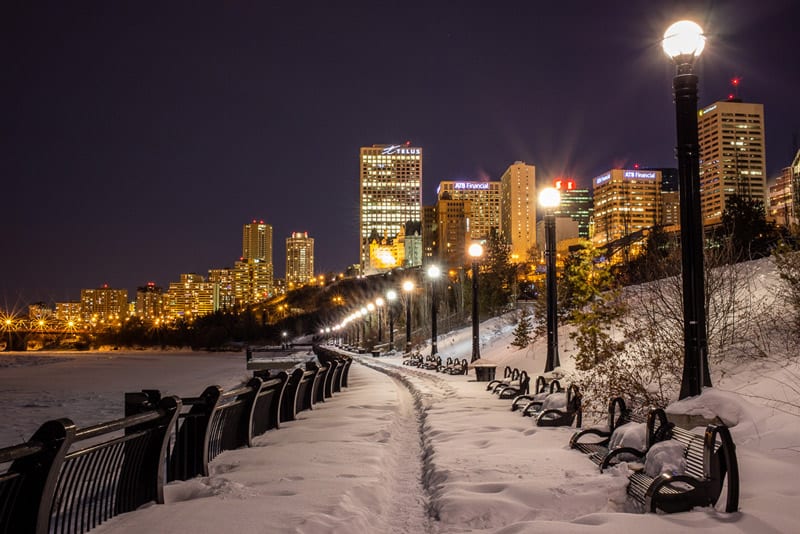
(379, 302)
(434, 271)
(476, 250)
(549, 198)
(391, 295)
(370, 307)
(408, 286)
(683, 38)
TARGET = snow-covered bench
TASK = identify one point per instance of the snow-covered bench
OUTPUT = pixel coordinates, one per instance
(629, 438)
(560, 409)
(515, 388)
(687, 471)
(454, 366)
(533, 402)
(509, 376)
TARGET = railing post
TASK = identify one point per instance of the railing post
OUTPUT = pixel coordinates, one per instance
(189, 455)
(40, 470)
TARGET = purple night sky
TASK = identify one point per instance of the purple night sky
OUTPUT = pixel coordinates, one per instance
(137, 137)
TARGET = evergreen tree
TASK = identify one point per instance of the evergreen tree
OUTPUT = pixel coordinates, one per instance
(522, 333)
(497, 276)
(744, 222)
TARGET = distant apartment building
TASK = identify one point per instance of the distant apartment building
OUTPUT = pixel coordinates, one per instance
(68, 311)
(484, 198)
(576, 203)
(518, 209)
(299, 259)
(104, 305)
(626, 201)
(256, 261)
(225, 279)
(430, 229)
(732, 156)
(191, 297)
(252, 281)
(149, 302)
(390, 195)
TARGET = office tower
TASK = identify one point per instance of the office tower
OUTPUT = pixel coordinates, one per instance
(225, 279)
(390, 195)
(795, 170)
(484, 198)
(518, 210)
(732, 158)
(430, 229)
(576, 203)
(104, 305)
(626, 201)
(191, 297)
(299, 259)
(453, 230)
(149, 302)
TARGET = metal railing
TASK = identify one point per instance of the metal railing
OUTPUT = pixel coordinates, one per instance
(69, 480)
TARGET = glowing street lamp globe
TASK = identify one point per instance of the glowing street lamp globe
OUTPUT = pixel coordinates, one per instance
(683, 38)
(434, 271)
(549, 198)
(391, 295)
(475, 250)
(408, 286)
(379, 302)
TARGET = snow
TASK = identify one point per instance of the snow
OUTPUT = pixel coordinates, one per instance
(410, 450)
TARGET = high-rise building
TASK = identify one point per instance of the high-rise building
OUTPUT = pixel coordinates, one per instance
(390, 196)
(576, 203)
(430, 230)
(255, 268)
(252, 281)
(299, 259)
(104, 305)
(257, 241)
(191, 297)
(625, 201)
(149, 302)
(453, 230)
(225, 279)
(796, 184)
(484, 198)
(518, 209)
(732, 158)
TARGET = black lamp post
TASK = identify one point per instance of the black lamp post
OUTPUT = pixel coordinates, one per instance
(475, 252)
(379, 302)
(434, 272)
(549, 199)
(391, 296)
(683, 42)
(408, 287)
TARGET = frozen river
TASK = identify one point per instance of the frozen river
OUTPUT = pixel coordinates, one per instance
(89, 387)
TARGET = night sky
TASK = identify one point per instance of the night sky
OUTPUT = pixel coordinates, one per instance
(136, 138)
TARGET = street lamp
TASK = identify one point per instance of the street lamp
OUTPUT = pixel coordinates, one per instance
(434, 272)
(475, 252)
(379, 302)
(549, 199)
(283, 336)
(683, 42)
(408, 287)
(362, 315)
(391, 296)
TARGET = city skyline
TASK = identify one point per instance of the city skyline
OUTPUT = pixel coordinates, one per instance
(140, 138)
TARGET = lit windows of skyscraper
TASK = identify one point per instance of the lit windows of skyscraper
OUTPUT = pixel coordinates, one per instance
(390, 196)
(104, 305)
(576, 203)
(625, 201)
(191, 297)
(299, 259)
(484, 202)
(518, 209)
(732, 159)
(254, 272)
(149, 302)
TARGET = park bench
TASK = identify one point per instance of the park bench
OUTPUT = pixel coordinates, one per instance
(710, 460)
(432, 363)
(533, 403)
(509, 375)
(415, 359)
(604, 452)
(454, 366)
(515, 388)
(560, 409)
